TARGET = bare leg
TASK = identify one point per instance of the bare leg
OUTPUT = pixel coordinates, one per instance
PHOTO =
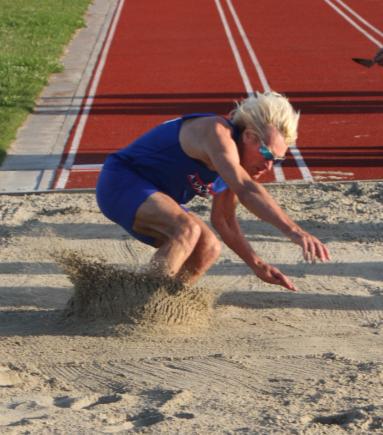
(176, 233)
(186, 246)
(173, 253)
(203, 256)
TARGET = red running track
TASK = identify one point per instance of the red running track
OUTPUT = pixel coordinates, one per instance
(173, 58)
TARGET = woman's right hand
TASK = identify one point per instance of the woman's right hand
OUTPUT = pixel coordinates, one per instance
(272, 275)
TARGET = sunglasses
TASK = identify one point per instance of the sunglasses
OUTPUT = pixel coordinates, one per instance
(268, 154)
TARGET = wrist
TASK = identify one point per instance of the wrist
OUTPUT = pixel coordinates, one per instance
(293, 231)
(257, 263)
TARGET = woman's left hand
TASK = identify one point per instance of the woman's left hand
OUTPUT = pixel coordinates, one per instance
(312, 247)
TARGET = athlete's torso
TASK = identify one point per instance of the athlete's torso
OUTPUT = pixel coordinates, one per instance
(158, 157)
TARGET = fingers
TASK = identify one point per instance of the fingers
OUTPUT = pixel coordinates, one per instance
(322, 252)
(305, 249)
(284, 281)
(289, 285)
(272, 275)
(314, 249)
(326, 253)
(310, 250)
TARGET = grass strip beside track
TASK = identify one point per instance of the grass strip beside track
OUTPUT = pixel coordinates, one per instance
(33, 34)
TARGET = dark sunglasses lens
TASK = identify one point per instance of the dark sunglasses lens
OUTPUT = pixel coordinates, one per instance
(266, 153)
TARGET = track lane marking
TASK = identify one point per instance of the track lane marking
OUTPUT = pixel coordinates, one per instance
(360, 18)
(278, 172)
(78, 167)
(299, 160)
(93, 167)
(66, 168)
(68, 164)
(249, 48)
(354, 24)
(234, 49)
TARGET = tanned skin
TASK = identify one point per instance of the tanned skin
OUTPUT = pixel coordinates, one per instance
(187, 247)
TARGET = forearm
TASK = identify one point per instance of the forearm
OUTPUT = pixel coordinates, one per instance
(259, 202)
(231, 234)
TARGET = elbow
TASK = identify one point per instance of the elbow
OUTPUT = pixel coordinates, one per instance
(222, 224)
(242, 187)
(244, 196)
(247, 191)
(216, 221)
(219, 222)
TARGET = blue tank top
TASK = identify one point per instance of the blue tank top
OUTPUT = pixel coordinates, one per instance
(158, 157)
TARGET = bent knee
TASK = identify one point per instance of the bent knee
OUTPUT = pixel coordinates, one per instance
(212, 247)
(217, 249)
(187, 231)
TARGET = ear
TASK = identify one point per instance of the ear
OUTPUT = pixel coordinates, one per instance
(248, 136)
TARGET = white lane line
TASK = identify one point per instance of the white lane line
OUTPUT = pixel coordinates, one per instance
(299, 160)
(62, 180)
(354, 24)
(360, 18)
(87, 167)
(245, 39)
(278, 172)
(234, 49)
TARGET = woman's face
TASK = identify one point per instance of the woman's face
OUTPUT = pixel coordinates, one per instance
(253, 159)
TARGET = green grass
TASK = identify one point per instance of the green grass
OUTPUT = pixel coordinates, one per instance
(33, 34)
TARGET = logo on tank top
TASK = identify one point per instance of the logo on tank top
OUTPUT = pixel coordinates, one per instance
(199, 187)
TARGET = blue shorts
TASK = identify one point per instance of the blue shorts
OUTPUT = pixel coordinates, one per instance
(119, 193)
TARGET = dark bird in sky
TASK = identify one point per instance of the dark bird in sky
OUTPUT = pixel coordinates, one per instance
(368, 63)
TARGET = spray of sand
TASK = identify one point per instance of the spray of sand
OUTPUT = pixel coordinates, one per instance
(108, 292)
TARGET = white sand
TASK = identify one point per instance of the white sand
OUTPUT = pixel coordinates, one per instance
(262, 360)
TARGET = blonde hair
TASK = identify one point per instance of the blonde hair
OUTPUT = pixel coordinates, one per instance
(268, 108)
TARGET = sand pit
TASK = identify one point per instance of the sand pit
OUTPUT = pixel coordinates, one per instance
(129, 297)
(233, 355)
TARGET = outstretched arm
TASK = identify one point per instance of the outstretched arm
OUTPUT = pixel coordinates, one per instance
(224, 220)
(257, 200)
(223, 154)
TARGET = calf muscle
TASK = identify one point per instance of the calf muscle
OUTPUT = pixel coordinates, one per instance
(175, 231)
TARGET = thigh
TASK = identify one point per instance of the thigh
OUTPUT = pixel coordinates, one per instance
(119, 194)
(160, 218)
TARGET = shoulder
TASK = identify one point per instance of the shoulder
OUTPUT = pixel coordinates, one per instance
(205, 124)
(222, 127)
(217, 132)
(205, 130)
